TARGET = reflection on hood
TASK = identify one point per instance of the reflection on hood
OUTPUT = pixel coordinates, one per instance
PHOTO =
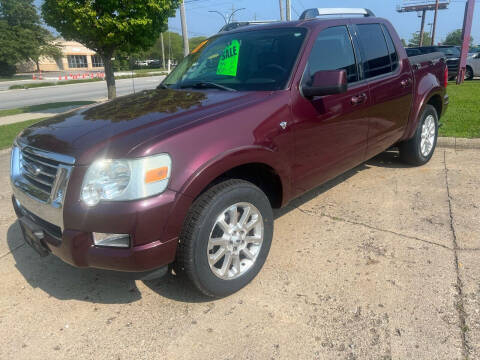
(148, 101)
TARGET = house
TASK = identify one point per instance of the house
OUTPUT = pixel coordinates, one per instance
(75, 57)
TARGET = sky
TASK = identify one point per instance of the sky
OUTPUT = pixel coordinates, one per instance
(201, 22)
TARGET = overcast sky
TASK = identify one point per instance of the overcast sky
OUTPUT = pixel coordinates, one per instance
(202, 22)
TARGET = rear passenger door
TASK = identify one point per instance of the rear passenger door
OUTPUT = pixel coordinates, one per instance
(391, 86)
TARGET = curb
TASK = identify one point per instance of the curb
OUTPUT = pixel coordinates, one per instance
(458, 143)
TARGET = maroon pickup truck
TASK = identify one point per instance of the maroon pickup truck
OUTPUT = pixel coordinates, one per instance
(188, 174)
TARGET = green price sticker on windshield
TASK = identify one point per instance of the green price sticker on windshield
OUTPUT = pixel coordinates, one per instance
(229, 61)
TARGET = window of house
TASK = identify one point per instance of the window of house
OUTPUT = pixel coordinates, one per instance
(376, 57)
(333, 50)
(97, 61)
(77, 61)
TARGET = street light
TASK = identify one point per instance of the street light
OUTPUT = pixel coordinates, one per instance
(224, 17)
(233, 13)
(219, 13)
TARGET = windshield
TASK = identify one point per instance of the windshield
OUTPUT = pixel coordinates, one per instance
(245, 61)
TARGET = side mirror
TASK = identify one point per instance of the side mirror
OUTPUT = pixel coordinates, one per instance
(326, 82)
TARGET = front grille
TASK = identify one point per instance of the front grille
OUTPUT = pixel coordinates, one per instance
(39, 171)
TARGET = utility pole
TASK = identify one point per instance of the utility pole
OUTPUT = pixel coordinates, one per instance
(422, 27)
(435, 22)
(280, 4)
(466, 35)
(163, 50)
(289, 11)
(186, 49)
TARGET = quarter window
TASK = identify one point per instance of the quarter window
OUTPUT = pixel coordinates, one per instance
(376, 57)
(333, 50)
(77, 61)
(391, 49)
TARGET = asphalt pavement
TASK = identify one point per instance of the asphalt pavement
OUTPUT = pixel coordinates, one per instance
(94, 91)
(380, 263)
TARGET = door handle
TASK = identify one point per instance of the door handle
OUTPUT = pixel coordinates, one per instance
(406, 83)
(359, 99)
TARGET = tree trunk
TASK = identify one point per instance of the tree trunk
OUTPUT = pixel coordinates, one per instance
(110, 76)
(37, 62)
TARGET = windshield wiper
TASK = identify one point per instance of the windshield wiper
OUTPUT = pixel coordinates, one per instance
(206, 84)
(162, 86)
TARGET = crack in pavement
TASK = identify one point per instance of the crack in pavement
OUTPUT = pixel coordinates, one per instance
(460, 306)
(11, 251)
(374, 228)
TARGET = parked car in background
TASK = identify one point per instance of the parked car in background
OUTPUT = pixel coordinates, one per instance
(473, 66)
(188, 174)
(452, 53)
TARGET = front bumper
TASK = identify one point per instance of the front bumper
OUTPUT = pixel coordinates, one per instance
(76, 247)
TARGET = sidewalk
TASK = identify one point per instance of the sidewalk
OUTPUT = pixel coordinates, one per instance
(12, 119)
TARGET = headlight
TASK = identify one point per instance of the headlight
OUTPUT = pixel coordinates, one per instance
(121, 180)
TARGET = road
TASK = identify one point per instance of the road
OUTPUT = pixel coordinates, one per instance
(380, 263)
(76, 92)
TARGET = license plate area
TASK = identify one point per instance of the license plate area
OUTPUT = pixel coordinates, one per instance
(34, 236)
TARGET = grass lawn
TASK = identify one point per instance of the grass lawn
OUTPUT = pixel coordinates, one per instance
(463, 115)
(42, 107)
(8, 133)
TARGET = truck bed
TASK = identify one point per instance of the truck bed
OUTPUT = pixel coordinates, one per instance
(432, 58)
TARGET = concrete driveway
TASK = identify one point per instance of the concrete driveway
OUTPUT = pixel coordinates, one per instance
(381, 263)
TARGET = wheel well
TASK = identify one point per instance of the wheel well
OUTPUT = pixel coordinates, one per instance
(436, 102)
(261, 175)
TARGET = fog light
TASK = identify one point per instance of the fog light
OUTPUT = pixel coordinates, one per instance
(111, 240)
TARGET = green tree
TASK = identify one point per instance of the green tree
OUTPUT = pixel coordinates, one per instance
(47, 48)
(22, 36)
(109, 26)
(415, 40)
(455, 38)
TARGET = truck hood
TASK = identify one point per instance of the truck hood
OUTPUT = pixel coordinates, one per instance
(115, 127)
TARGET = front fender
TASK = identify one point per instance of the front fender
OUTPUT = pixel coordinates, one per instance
(214, 168)
(232, 159)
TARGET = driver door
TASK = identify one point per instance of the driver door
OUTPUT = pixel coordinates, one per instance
(330, 131)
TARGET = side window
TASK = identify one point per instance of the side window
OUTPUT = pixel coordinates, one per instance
(391, 49)
(333, 50)
(375, 52)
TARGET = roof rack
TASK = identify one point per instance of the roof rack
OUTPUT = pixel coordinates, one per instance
(313, 13)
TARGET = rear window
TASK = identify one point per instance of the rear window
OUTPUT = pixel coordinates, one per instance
(376, 56)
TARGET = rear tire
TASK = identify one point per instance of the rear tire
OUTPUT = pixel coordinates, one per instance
(420, 148)
(226, 237)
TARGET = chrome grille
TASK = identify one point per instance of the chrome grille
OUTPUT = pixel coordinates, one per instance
(41, 172)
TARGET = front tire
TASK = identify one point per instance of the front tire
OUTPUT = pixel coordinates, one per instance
(226, 237)
(420, 148)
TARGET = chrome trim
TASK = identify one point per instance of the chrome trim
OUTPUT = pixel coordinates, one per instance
(65, 159)
(47, 205)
